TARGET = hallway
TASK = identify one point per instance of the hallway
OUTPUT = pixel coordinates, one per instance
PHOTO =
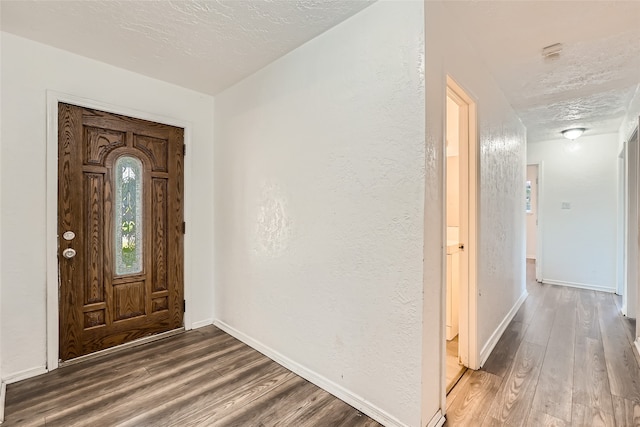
(565, 360)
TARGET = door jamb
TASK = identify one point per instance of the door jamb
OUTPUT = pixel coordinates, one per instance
(621, 259)
(539, 215)
(52, 277)
(468, 296)
(636, 339)
(539, 228)
(631, 288)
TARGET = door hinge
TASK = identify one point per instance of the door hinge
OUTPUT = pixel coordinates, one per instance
(184, 150)
(184, 305)
(184, 227)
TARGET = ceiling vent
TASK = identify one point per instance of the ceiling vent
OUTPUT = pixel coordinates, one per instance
(552, 52)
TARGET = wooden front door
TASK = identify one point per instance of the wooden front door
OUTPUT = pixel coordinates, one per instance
(120, 229)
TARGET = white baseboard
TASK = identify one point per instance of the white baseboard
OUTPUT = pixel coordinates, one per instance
(611, 290)
(3, 393)
(23, 375)
(335, 389)
(437, 420)
(201, 323)
(495, 337)
(637, 344)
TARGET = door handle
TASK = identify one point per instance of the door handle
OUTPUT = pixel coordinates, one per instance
(69, 253)
(461, 246)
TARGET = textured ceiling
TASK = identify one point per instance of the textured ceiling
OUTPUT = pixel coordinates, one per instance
(592, 82)
(205, 45)
(208, 45)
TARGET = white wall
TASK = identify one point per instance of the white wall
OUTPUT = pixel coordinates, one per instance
(501, 139)
(28, 70)
(319, 183)
(579, 244)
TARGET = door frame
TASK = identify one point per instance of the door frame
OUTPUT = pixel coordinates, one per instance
(636, 339)
(468, 333)
(631, 261)
(540, 216)
(52, 277)
(621, 258)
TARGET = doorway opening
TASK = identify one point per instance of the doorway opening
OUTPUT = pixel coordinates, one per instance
(460, 205)
(532, 209)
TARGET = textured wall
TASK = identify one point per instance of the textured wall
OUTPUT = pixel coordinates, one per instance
(502, 228)
(501, 223)
(433, 315)
(28, 70)
(319, 183)
(578, 244)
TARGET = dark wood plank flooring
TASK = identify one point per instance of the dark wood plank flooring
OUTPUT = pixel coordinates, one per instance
(203, 377)
(566, 359)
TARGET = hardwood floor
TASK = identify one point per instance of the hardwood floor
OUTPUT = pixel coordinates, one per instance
(203, 377)
(566, 359)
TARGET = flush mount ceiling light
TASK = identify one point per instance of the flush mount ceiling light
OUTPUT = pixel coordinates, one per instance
(573, 133)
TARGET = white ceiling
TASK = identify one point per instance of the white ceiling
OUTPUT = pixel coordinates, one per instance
(592, 82)
(209, 45)
(205, 45)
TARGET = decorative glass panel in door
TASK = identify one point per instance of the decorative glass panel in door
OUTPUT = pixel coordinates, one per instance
(128, 210)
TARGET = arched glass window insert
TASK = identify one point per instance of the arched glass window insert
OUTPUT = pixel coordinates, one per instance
(128, 210)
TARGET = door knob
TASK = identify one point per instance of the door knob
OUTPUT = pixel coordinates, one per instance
(69, 253)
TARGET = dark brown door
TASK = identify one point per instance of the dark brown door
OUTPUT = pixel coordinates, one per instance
(120, 229)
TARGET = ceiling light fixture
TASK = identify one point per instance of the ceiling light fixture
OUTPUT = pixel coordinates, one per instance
(573, 133)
